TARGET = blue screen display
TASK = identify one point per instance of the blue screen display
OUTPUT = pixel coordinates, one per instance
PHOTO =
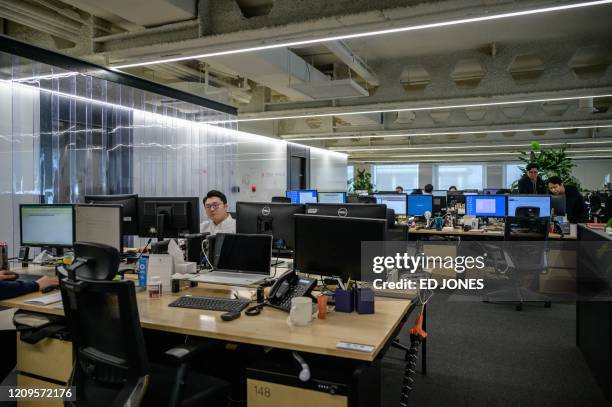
(485, 205)
(419, 204)
(301, 196)
(542, 202)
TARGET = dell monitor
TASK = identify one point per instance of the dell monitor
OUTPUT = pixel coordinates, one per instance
(301, 196)
(129, 203)
(376, 211)
(331, 245)
(331, 197)
(439, 193)
(99, 224)
(490, 191)
(558, 204)
(542, 202)
(274, 219)
(397, 202)
(419, 204)
(48, 225)
(485, 205)
(168, 216)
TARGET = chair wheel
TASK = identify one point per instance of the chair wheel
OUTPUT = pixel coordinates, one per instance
(519, 307)
(547, 304)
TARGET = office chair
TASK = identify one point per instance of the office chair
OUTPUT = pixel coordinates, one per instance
(390, 218)
(282, 199)
(518, 257)
(111, 366)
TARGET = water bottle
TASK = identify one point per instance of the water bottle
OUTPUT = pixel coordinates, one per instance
(143, 263)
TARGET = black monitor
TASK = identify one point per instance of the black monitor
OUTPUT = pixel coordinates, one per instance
(375, 211)
(168, 216)
(243, 253)
(557, 203)
(129, 202)
(274, 219)
(331, 245)
(46, 225)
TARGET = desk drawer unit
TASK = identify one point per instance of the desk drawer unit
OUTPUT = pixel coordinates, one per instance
(50, 358)
(27, 381)
(268, 394)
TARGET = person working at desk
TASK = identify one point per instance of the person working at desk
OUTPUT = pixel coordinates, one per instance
(219, 221)
(11, 287)
(428, 190)
(531, 182)
(399, 189)
(575, 208)
(452, 188)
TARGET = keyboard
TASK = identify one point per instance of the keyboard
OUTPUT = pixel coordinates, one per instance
(210, 303)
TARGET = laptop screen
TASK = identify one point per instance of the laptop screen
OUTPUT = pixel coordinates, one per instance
(243, 252)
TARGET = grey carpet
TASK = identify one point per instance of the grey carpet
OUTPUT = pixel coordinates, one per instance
(491, 355)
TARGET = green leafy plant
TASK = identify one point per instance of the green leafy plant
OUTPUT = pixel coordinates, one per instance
(550, 162)
(362, 181)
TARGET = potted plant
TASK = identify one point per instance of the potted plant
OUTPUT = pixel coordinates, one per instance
(362, 183)
(550, 162)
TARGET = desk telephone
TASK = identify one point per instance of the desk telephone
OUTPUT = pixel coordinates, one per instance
(288, 286)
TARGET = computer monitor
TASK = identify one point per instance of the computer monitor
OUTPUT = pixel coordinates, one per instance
(331, 245)
(485, 205)
(558, 204)
(536, 201)
(455, 197)
(397, 202)
(490, 191)
(49, 225)
(274, 219)
(301, 196)
(168, 216)
(331, 197)
(376, 211)
(129, 213)
(419, 204)
(99, 224)
(439, 193)
(243, 252)
(439, 204)
(470, 192)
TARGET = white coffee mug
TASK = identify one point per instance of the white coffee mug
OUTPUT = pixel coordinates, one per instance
(301, 311)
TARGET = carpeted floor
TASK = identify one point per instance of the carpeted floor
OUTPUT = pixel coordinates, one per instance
(491, 355)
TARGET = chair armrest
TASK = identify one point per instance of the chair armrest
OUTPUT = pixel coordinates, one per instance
(185, 353)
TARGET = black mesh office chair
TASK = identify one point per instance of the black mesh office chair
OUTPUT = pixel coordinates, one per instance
(111, 366)
(390, 218)
(282, 199)
(519, 257)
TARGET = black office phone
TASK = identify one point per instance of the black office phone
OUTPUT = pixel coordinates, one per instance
(289, 286)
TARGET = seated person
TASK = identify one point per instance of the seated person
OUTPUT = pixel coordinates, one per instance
(399, 189)
(219, 221)
(11, 287)
(428, 190)
(452, 188)
(575, 208)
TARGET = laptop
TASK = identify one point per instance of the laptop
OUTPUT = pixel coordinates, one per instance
(238, 259)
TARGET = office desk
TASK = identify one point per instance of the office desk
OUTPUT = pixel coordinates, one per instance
(270, 329)
(493, 235)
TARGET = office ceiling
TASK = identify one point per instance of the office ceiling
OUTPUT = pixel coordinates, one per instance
(419, 95)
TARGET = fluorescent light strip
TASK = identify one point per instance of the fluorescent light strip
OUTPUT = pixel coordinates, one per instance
(371, 33)
(449, 133)
(570, 143)
(490, 154)
(412, 109)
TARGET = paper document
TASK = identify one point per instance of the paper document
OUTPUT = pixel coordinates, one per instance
(45, 299)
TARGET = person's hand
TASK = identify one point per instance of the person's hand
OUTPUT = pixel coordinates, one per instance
(47, 281)
(6, 275)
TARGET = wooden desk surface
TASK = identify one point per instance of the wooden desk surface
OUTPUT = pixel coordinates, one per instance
(460, 232)
(270, 328)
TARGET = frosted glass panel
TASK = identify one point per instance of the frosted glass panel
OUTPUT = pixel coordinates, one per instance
(387, 177)
(512, 173)
(461, 176)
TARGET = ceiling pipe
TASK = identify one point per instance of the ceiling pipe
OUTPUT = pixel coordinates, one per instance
(346, 55)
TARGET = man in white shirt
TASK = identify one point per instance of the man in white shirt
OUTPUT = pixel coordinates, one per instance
(219, 221)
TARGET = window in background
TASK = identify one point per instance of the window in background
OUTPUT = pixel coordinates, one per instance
(467, 176)
(350, 174)
(387, 177)
(512, 172)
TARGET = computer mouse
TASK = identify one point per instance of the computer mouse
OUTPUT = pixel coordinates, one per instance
(230, 316)
(49, 288)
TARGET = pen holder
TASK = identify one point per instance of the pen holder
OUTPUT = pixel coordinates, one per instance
(345, 300)
(364, 300)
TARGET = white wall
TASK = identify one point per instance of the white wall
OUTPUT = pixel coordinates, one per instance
(327, 170)
(592, 173)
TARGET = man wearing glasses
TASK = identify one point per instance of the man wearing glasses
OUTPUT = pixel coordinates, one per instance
(219, 221)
